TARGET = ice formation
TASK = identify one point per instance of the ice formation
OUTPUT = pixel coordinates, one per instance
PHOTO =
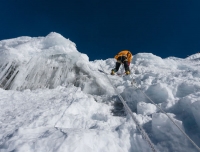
(53, 98)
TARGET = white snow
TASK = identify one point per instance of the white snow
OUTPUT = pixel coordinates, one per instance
(52, 98)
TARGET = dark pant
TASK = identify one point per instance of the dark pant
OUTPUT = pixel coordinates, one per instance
(120, 60)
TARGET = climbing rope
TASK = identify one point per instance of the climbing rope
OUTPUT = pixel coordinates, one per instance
(167, 116)
(139, 127)
(71, 101)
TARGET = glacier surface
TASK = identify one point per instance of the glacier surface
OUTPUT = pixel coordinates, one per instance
(52, 98)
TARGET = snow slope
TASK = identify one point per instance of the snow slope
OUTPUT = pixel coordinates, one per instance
(53, 99)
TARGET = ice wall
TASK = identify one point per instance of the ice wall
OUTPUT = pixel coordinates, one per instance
(45, 62)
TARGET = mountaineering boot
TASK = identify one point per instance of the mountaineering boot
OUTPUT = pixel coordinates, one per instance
(127, 72)
(112, 72)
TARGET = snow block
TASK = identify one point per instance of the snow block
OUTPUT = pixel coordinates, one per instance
(145, 108)
(196, 111)
(163, 128)
(185, 89)
(159, 93)
(147, 59)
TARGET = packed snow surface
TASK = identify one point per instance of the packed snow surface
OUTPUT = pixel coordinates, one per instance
(53, 99)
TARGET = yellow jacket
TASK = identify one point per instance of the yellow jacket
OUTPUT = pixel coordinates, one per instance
(125, 53)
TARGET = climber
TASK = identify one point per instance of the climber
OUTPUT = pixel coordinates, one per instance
(123, 57)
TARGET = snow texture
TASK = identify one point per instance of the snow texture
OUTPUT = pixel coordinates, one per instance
(52, 98)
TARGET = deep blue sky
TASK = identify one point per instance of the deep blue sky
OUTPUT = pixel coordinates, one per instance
(101, 28)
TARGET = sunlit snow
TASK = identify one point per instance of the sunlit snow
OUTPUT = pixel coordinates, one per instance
(53, 99)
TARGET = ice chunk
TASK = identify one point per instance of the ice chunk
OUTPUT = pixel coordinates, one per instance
(196, 111)
(159, 93)
(145, 108)
(147, 59)
(163, 128)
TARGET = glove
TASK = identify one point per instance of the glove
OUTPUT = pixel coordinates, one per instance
(128, 63)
